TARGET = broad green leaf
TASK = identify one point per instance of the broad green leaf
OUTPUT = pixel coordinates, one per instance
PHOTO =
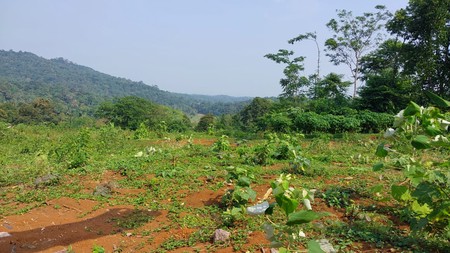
(412, 109)
(425, 191)
(236, 211)
(376, 188)
(432, 131)
(287, 204)
(421, 210)
(440, 212)
(378, 166)
(303, 216)
(421, 142)
(314, 247)
(381, 151)
(283, 250)
(244, 181)
(400, 193)
(437, 100)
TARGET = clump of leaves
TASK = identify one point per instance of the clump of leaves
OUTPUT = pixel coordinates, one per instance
(337, 197)
(222, 144)
(73, 153)
(234, 200)
(426, 188)
(287, 236)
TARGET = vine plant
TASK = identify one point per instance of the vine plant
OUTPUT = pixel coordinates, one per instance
(285, 235)
(426, 188)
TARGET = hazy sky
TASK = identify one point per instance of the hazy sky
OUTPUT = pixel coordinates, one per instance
(189, 46)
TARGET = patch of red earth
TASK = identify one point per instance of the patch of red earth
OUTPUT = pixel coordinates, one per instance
(204, 197)
(61, 223)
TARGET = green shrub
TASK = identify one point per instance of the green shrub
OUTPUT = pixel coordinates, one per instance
(373, 122)
(309, 122)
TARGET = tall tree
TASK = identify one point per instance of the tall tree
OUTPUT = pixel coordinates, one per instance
(424, 27)
(330, 87)
(293, 82)
(353, 37)
(310, 36)
(388, 88)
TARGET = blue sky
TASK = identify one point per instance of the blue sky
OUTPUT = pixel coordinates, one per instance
(198, 46)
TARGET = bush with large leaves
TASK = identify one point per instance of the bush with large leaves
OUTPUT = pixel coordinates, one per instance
(426, 188)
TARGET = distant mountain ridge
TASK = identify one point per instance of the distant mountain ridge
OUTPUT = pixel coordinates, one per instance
(25, 76)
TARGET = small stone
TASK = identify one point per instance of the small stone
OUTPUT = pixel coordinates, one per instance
(221, 235)
(46, 180)
(326, 246)
(4, 234)
(129, 234)
(7, 226)
(105, 190)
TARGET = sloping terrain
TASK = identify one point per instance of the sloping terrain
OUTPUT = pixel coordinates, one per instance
(25, 76)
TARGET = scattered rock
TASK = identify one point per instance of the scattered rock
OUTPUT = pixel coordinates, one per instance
(4, 234)
(28, 246)
(326, 246)
(105, 190)
(7, 226)
(46, 180)
(221, 235)
(129, 234)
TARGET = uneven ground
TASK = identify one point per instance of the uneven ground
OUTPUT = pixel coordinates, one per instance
(169, 197)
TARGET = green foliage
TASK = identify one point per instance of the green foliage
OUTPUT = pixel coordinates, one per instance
(76, 89)
(141, 132)
(280, 147)
(292, 83)
(427, 193)
(205, 123)
(337, 197)
(98, 249)
(251, 115)
(130, 112)
(387, 88)
(288, 199)
(331, 87)
(372, 122)
(73, 152)
(222, 144)
(309, 122)
(235, 199)
(353, 36)
(423, 28)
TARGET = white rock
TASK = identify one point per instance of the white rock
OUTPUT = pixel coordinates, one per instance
(4, 234)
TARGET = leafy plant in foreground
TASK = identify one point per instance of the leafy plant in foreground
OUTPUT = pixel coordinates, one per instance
(222, 144)
(288, 198)
(426, 188)
(235, 199)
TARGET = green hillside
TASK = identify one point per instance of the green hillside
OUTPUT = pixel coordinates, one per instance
(25, 76)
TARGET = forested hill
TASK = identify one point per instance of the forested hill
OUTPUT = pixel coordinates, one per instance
(25, 76)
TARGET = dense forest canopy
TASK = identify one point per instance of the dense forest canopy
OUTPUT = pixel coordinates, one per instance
(25, 77)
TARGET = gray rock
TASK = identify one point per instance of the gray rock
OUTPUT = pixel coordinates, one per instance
(105, 190)
(46, 180)
(221, 235)
(326, 246)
